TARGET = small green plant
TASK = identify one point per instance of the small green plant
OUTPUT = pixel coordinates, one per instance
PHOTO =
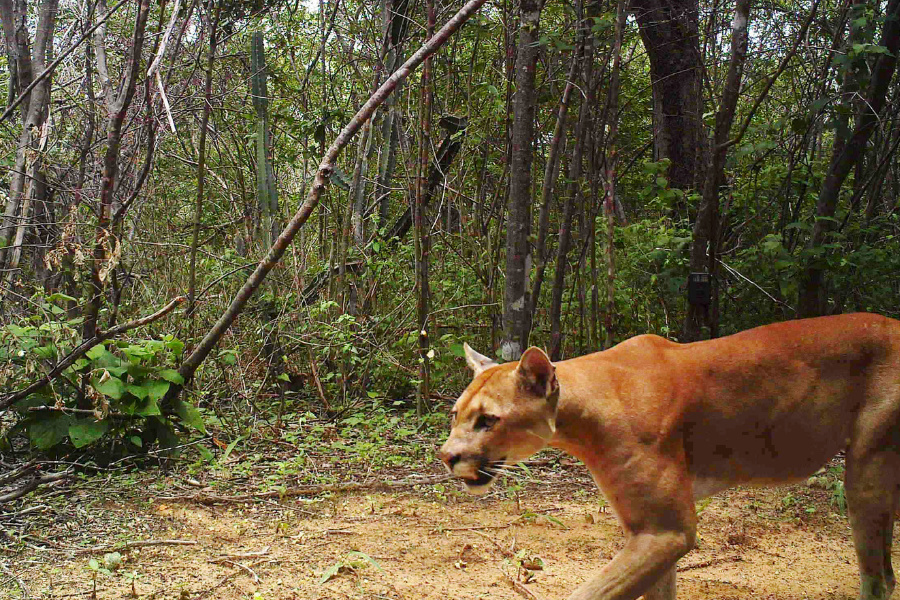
(351, 563)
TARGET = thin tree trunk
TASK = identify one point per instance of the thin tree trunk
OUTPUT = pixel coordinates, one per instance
(609, 205)
(551, 171)
(201, 166)
(705, 242)
(117, 110)
(516, 305)
(34, 113)
(811, 297)
(423, 240)
(565, 225)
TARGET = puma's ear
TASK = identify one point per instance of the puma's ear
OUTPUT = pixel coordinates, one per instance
(479, 363)
(539, 375)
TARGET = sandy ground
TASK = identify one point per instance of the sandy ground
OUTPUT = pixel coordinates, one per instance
(788, 543)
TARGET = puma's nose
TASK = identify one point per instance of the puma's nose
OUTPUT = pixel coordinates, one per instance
(450, 459)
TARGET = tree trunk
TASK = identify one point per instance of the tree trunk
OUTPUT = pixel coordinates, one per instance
(811, 296)
(705, 242)
(670, 32)
(551, 171)
(516, 305)
(34, 115)
(201, 165)
(117, 111)
(572, 197)
(423, 240)
(609, 205)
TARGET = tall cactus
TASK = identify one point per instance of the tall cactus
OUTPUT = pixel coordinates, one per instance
(266, 194)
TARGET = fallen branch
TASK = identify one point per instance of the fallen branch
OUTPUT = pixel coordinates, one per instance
(83, 349)
(239, 556)
(33, 485)
(131, 545)
(308, 490)
(710, 562)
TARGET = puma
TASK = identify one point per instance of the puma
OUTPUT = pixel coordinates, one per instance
(661, 425)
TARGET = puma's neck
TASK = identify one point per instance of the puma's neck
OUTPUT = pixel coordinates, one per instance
(580, 427)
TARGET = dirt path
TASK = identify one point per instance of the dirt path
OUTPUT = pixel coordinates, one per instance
(430, 543)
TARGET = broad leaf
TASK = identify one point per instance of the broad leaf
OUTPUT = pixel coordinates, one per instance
(190, 415)
(87, 431)
(171, 375)
(112, 387)
(49, 430)
(157, 389)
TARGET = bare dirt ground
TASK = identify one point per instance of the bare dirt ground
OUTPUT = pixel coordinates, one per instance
(422, 542)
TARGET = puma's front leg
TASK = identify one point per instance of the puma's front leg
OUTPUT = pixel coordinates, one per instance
(646, 559)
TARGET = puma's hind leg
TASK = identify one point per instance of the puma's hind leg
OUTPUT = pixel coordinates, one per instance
(664, 589)
(872, 493)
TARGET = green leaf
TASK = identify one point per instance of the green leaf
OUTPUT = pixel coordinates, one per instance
(138, 391)
(171, 375)
(176, 346)
(112, 387)
(157, 389)
(47, 431)
(284, 377)
(87, 431)
(137, 441)
(367, 558)
(330, 572)
(96, 352)
(190, 415)
(147, 408)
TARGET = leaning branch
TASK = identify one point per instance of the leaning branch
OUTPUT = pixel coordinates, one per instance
(326, 168)
(83, 348)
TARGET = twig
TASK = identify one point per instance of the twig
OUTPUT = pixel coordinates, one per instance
(315, 373)
(710, 562)
(244, 567)
(17, 473)
(18, 581)
(519, 588)
(33, 485)
(130, 545)
(239, 556)
(84, 347)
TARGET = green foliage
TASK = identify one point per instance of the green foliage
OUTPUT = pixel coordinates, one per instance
(114, 392)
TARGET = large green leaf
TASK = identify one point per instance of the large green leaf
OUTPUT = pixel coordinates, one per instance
(190, 415)
(156, 389)
(112, 387)
(147, 408)
(138, 391)
(171, 375)
(48, 430)
(87, 431)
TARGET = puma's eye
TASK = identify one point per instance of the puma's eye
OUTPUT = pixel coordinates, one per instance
(485, 422)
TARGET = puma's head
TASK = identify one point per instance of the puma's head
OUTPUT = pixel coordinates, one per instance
(506, 414)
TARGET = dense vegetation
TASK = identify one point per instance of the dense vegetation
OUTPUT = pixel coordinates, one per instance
(551, 176)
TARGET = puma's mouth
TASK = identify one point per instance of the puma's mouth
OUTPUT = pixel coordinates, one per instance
(485, 476)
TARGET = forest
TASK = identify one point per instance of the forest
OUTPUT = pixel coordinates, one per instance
(243, 244)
